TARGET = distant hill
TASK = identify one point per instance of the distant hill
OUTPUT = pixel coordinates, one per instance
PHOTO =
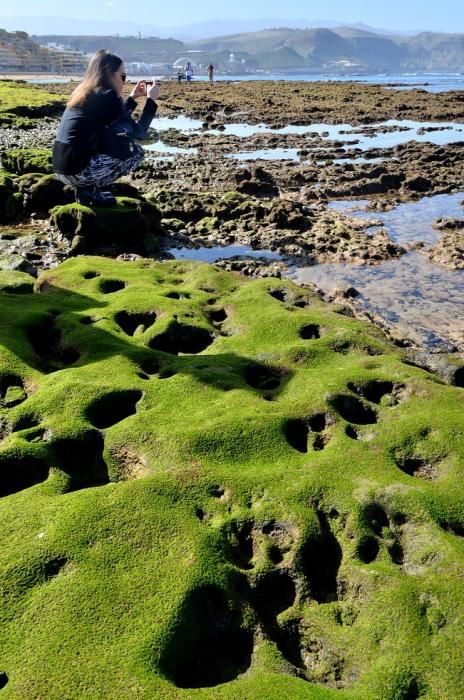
(42, 25)
(337, 50)
(340, 48)
(133, 49)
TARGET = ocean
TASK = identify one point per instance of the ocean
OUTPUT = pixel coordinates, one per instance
(431, 82)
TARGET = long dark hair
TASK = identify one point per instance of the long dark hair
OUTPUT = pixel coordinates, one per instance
(96, 76)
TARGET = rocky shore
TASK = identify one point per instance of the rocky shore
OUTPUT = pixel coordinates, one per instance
(213, 481)
(207, 196)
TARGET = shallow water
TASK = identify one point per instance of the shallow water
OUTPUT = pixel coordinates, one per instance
(431, 82)
(361, 137)
(423, 301)
(160, 147)
(267, 154)
(411, 221)
(212, 254)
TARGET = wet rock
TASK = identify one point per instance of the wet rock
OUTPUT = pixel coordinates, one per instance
(17, 263)
(417, 184)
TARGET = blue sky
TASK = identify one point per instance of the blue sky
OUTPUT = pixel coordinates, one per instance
(446, 15)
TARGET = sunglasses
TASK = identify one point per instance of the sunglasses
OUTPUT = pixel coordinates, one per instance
(123, 77)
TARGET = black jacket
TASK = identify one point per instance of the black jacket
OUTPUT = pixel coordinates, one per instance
(78, 135)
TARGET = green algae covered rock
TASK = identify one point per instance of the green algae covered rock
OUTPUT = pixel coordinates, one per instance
(130, 224)
(27, 160)
(21, 101)
(220, 488)
(16, 281)
(8, 204)
(43, 192)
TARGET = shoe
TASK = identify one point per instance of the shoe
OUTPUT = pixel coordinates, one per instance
(92, 196)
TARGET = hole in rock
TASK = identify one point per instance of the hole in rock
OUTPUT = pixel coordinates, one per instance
(275, 555)
(320, 441)
(301, 303)
(19, 472)
(46, 340)
(372, 391)
(262, 377)
(182, 338)
(240, 542)
(297, 431)
(398, 518)
(396, 553)
(418, 467)
(53, 567)
(319, 422)
(3, 679)
(288, 639)
(455, 528)
(82, 459)
(217, 315)
(200, 513)
(208, 644)
(166, 373)
(411, 692)
(12, 390)
(351, 431)
(368, 549)
(150, 365)
(352, 409)
(375, 517)
(272, 594)
(177, 295)
(38, 434)
(310, 332)
(90, 275)
(458, 377)
(279, 293)
(25, 422)
(321, 557)
(142, 375)
(109, 286)
(129, 321)
(217, 491)
(113, 408)
(86, 320)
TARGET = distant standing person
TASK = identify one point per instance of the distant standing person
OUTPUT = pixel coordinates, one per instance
(210, 71)
(180, 75)
(188, 70)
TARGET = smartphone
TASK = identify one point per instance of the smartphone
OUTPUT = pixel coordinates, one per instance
(148, 82)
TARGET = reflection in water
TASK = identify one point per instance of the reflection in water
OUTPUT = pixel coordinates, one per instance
(210, 255)
(423, 301)
(362, 137)
(411, 221)
(160, 147)
(267, 154)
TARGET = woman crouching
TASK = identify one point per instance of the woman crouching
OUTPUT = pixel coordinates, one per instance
(94, 144)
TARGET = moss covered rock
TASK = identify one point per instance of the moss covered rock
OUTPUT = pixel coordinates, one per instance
(214, 487)
(129, 225)
(27, 160)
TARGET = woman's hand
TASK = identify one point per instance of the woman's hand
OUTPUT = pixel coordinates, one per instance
(154, 90)
(139, 90)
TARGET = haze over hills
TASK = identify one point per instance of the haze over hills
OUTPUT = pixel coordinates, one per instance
(188, 32)
(348, 49)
